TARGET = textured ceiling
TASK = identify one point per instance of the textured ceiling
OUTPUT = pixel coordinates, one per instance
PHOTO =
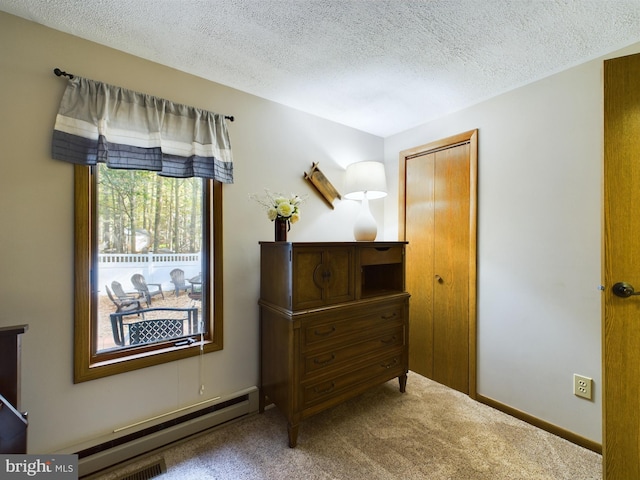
(381, 66)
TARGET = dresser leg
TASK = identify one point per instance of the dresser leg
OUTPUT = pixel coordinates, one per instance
(293, 434)
(261, 401)
(402, 380)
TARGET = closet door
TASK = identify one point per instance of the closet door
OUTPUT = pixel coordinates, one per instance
(420, 176)
(451, 268)
(438, 220)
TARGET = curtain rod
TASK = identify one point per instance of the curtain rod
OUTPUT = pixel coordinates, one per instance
(60, 73)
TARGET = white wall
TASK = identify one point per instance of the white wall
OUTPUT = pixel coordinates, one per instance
(539, 238)
(273, 147)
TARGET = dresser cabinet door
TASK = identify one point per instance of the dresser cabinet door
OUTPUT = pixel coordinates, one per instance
(322, 276)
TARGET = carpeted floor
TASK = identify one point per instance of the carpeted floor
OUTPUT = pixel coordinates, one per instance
(430, 432)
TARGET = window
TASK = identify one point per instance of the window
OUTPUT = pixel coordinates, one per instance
(123, 215)
(136, 223)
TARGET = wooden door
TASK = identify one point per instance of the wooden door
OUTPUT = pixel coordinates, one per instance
(419, 184)
(451, 268)
(621, 318)
(438, 219)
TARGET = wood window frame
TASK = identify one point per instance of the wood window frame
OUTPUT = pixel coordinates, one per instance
(89, 365)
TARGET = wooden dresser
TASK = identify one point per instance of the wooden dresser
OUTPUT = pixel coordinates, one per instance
(13, 424)
(333, 323)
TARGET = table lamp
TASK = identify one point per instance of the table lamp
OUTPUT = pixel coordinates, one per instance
(365, 181)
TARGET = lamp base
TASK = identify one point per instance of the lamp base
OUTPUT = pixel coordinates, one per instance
(365, 228)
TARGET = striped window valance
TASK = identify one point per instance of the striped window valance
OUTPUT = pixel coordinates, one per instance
(97, 122)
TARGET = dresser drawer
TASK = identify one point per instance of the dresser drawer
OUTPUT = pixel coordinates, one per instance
(377, 370)
(332, 358)
(380, 255)
(317, 331)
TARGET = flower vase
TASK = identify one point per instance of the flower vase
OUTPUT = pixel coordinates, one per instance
(281, 229)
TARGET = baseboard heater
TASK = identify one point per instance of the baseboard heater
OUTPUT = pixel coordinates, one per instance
(111, 450)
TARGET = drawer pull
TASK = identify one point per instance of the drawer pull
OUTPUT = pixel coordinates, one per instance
(319, 333)
(392, 363)
(388, 341)
(325, 362)
(326, 390)
(389, 317)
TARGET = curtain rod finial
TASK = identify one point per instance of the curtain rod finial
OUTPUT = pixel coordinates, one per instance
(60, 73)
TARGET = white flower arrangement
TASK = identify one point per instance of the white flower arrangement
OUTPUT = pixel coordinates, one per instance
(279, 206)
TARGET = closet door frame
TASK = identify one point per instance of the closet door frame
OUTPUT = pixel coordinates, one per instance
(470, 137)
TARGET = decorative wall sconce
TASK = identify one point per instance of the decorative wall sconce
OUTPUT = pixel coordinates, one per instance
(322, 185)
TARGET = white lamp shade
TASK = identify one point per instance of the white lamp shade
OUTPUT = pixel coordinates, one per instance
(365, 177)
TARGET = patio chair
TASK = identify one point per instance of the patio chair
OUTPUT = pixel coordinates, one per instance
(126, 305)
(120, 293)
(196, 289)
(179, 283)
(141, 285)
(195, 297)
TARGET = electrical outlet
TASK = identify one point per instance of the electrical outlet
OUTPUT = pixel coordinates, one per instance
(582, 386)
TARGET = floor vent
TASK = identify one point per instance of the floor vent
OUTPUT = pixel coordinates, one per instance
(148, 472)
